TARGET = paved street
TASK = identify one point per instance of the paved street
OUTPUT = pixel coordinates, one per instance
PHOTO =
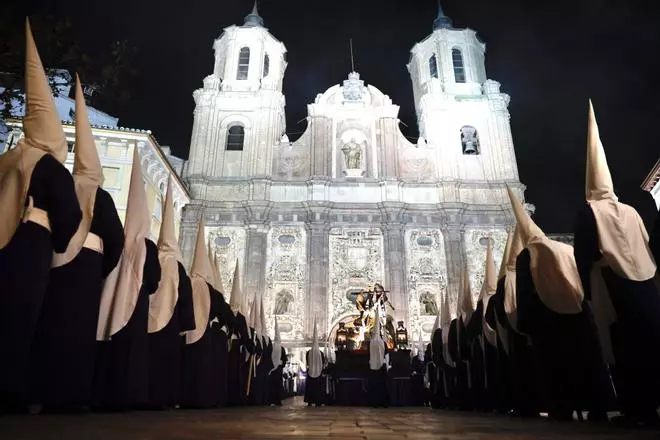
(295, 421)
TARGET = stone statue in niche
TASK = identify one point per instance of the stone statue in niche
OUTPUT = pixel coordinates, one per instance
(353, 155)
(470, 140)
(283, 303)
(429, 306)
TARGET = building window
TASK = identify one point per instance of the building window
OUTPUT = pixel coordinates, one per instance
(266, 65)
(433, 66)
(243, 63)
(235, 138)
(470, 140)
(459, 67)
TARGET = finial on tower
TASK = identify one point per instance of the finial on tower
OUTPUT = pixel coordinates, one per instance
(441, 21)
(253, 19)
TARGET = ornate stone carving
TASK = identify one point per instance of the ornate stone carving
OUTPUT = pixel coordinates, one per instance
(229, 244)
(286, 276)
(427, 277)
(475, 251)
(353, 88)
(417, 164)
(356, 260)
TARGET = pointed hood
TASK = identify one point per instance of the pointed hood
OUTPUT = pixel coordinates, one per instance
(315, 366)
(622, 235)
(488, 289)
(446, 325)
(122, 286)
(276, 355)
(262, 320)
(201, 276)
(237, 301)
(466, 302)
(505, 256)
(510, 301)
(43, 135)
(87, 177)
(420, 347)
(552, 265)
(163, 301)
(599, 184)
(376, 345)
(213, 261)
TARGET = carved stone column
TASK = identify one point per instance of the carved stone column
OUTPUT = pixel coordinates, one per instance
(316, 303)
(395, 268)
(455, 250)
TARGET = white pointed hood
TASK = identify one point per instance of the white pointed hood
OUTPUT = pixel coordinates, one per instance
(622, 235)
(510, 302)
(466, 303)
(237, 301)
(87, 177)
(488, 289)
(420, 347)
(446, 325)
(201, 276)
(43, 135)
(505, 256)
(315, 366)
(276, 356)
(163, 302)
(552, 265)
(376, 345)
(122, 287)
(263, 326)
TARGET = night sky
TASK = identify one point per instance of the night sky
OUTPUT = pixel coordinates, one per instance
(550, 56)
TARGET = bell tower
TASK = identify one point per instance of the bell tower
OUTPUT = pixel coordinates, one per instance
(239, 113)
(460, 112)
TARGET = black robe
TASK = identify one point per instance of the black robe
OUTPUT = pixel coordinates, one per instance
(121, 378)
(518, 367)
(314, 386)
(475, 342)
(459, 349)
(654, 239)
(275, 381)
(635, 335)
(62, 365)
(377, 389)
(166, 348)
(236, 366)
(24, 273)
(567, 350)
(494, 362)
(437, 377)
(201, 386)
(255, 389)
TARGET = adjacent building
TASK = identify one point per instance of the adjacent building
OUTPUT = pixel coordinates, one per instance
(651, 185)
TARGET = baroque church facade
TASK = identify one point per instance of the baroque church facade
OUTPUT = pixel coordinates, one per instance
(352, 201)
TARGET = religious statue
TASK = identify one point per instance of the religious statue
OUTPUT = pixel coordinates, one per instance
(428, 301)
(353, 155)
(284, 299)
(367, 302)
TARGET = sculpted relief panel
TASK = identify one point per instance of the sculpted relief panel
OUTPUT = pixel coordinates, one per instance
(356, 260)
(228, 243)
(291, 161)
(475, 250)
(417, 164)
(427, 279)
(286, 276)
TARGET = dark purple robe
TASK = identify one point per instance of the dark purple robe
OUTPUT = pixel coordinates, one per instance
(24, 273)
(62, 365)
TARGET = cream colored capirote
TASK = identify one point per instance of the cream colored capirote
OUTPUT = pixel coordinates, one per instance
(162, 303)
(43, 135)
(552, 265)
(122, 287)
(87, 177)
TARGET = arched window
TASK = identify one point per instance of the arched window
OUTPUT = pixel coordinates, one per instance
(433, 66)
(470, 140)
(459, 67)
(243, 63)
(266, 65)
(235, 138)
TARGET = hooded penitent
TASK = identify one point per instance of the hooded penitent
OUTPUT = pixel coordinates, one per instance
(163, 302)
(217, 282)
(552, 265)
(201, 276)
(122, 286)
(376, 345)
(87, 177)
(276, 356)
(510, 304)
(465, 298)
(43, 135)
(315, 366)
(237, 301)
(505, 256)
(622, 236)
(262, 320)
(420, 348)
(446, 319)
(488, 289)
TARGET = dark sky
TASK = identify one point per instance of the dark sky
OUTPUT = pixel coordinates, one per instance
(550, 56)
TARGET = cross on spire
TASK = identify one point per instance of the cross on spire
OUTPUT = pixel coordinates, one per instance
(253, 19)
(441, 21)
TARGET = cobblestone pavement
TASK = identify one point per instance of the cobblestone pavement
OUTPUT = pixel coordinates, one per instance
(295, 421)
